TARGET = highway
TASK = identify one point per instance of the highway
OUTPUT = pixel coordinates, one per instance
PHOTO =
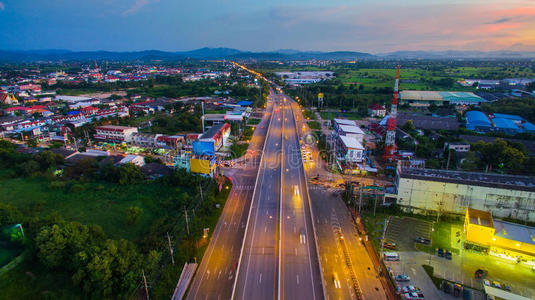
(278, 258)
(217, 270)
(258, 264)
(300, 272)
(334, 224)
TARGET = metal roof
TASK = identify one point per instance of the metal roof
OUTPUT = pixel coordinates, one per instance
(351, 142)
(515, 232)
(512, 182)
(502, 123)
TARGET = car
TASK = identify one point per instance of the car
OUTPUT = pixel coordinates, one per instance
(448, 255)
(336, 281)
(413, 296)
(480, 273)
(440, 252)
(422, 240)
(402, 277)
(507, 288)
(486, 282)
(496, 284)
(389, 245)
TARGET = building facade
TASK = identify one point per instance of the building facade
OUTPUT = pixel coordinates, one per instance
(429, 191)
(114, 133)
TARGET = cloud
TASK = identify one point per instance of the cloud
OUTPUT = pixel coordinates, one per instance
(499, 21)
(138, 5)
(2, 6)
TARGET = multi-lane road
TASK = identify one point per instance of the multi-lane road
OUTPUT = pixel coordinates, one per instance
(278, 257)
(274, 240)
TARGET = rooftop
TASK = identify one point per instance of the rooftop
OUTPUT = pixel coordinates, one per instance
(351, 129)
(513, 182)
(479, 217)
(516, 232)
(351, 142)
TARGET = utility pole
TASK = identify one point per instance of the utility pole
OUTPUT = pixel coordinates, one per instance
(187, 221)
(145, 283)
(170, 248)
(200, 189)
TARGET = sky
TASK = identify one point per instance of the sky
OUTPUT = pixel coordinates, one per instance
(374, 26)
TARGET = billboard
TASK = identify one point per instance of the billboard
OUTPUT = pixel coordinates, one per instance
(203, 148)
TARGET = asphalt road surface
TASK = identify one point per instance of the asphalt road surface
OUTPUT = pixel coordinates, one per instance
(216, 273)
(279, 258)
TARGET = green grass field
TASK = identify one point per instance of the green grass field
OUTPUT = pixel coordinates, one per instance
(98, 203)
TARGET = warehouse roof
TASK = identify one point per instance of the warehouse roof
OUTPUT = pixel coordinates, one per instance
(428, 122)
(516, 232)
(351, 129)
(453, 97)
(513, 182)
(477, 117)
(510, 117)
(502, 123)
(345, 122)
(351, 142)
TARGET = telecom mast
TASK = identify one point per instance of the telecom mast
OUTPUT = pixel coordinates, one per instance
(390, 140)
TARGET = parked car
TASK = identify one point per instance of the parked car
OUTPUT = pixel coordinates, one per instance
(480, 273)
(440, 252)
(507, 288)
(422, 240)
(402, 277)
(448, 255)
(457, 290)
(389, 245)
(496, 284)
(486, 282)
(413, 296)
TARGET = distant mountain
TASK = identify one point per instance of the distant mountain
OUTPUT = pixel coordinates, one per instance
(203, 53)
(452, 54)
(210, 52)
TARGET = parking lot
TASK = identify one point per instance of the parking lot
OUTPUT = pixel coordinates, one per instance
(403, 231)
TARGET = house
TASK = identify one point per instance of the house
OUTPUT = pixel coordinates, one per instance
(218, 134)
(458, 147)
(376, 110)
(114, 133)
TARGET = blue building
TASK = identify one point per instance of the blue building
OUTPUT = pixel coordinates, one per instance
(506, 125)
(478, 121)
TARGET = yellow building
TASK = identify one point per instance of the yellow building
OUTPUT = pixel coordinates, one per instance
(203, 166)
(510, 241)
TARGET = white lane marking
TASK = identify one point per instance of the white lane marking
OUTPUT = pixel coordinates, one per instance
(265, 228)
(297, 279)
(295, 251)
(260, 279)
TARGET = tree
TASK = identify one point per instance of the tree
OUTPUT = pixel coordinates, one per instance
(31, 142)
(130, 174)
(133, 213)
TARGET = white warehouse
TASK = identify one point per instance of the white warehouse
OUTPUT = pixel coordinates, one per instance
(428, 191)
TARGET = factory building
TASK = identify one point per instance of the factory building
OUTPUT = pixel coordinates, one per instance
(428, 191)
(426, 98)
(478, 121)
(510, 124)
